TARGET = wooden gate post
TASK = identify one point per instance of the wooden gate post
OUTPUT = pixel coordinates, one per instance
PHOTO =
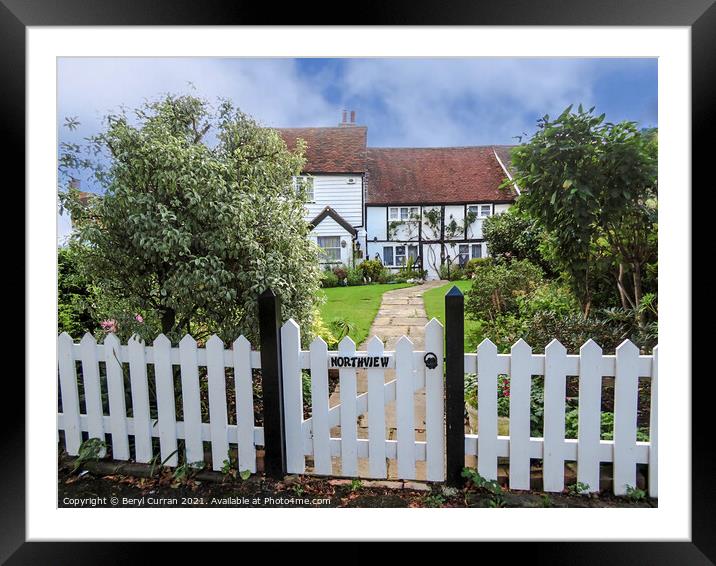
(272, 384)
(454, 387)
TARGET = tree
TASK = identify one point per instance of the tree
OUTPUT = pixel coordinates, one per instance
(199, 216)
(592, 186)
(74, 314)
(515, 235)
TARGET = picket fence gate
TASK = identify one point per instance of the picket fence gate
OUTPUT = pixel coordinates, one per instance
(154, 409)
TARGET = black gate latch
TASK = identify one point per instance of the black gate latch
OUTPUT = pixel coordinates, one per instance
(431, 360)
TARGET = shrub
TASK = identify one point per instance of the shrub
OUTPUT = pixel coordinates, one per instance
(355, 277)
(498, 286)
(340, 328)
(550, 297)
(474, 264)
(373, 269)
(455, 274)
(514, 235)
(319, 329)
(504, 330)
(329, 279)
(573, 330)
(341, 272)
(74, 315)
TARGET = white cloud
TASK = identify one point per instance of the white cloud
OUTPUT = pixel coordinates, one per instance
(465, 101)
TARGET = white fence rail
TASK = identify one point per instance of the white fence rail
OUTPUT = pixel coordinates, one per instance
(156, 394)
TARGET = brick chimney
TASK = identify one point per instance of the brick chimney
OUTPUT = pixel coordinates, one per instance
(344, 118)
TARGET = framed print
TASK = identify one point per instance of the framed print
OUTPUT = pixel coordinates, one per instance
(408, 260)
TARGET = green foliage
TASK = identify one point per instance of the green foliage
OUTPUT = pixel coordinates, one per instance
(320, 329)
(341, 327)
(550, 297)
(191, 231)
(355, 277)
(490, 486)
(306, 387)
(578, 488)
(374, 270)
(498, 287)
(634, 493)
(410, 271)
(573, 330)
(329, 279)
(89, 450)
(571, 429)
(474, 264)
(592, 185)
(356, 484)
(434, 500)
(74, 311)
(514, 235)
(451, 272)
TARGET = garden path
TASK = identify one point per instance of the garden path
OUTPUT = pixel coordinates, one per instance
(401, 312)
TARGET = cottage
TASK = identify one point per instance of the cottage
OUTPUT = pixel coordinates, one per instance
(396, 204)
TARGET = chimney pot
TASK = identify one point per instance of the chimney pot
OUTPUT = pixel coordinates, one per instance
(345, 117)
(353, 116)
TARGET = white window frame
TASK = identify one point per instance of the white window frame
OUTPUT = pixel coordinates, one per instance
(478, 209)
(395, 213)
(405, 255)
(325, 257)
(310, 186)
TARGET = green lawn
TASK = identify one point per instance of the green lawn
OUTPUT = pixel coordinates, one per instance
(434, 300)
(358, 305)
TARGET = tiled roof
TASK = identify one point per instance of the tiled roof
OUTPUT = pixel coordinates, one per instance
(435, 175)
(504, 153)
(330, 150)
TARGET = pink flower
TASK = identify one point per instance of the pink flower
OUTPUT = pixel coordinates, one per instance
(109, 325)
(138, 318)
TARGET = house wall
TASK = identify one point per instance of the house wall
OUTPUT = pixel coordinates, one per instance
(377, 236)
(340, 194)
(329, 227)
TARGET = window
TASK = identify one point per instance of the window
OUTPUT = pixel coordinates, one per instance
(331, 246)
(482, 210)
(476, 251)
(305, 183)
(463, 252)
(388, 255)
(404, 213)
(399, 255)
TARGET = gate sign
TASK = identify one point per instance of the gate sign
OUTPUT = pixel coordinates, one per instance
(361, 361)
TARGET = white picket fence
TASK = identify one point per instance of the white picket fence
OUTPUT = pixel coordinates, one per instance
(312, 437)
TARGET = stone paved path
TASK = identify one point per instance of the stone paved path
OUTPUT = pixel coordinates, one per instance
(401, 313)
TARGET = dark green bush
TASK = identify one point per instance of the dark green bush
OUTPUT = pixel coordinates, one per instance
(573, 330)
(355, 277)
(329, 279)
(373, 269)
(472, 265)
(455, 272)
(497, 288)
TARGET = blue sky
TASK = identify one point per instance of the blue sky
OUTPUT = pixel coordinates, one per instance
(406, 102)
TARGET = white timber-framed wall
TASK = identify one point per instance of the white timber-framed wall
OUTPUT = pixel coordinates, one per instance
(390, 232)
(344, 194)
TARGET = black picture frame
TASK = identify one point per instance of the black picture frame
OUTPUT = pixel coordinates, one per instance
(699, 15)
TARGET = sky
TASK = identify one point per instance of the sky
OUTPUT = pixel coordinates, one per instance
(406, 102)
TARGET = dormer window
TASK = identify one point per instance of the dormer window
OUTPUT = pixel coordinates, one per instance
(305, 183)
